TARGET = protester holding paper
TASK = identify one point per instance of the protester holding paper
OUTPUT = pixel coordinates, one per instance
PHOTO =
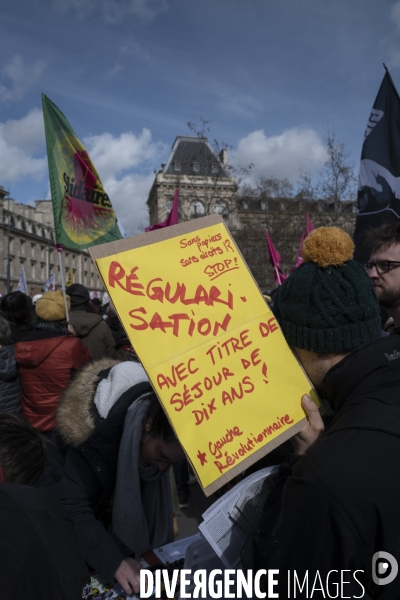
(338, 505)
(115, 445)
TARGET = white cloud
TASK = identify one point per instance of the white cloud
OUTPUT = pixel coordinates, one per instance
(113, 11)
(19, 78)
(128, 196)
(281, 155)
(115, 158)
(19, 141)
(27, 133)
(114, 155)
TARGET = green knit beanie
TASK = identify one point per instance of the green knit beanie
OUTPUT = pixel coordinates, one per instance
(328, 304)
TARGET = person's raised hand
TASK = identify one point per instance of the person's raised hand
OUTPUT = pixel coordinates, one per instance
(128, 575)
(313, 427)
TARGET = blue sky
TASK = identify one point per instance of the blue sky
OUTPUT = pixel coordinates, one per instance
(130, 74)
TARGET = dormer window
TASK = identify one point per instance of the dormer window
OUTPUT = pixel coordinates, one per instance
(177, 166)
(214, 169)
(196, 167)
(264, 205)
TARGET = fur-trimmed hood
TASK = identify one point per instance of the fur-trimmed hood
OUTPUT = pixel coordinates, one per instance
(75, 414)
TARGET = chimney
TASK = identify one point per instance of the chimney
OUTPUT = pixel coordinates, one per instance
(223, 156)
(3, 193)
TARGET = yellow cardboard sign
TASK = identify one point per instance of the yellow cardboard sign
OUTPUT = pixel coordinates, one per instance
(210, 344)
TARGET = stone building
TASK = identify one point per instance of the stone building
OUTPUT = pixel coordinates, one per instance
(285, 219)
(27, 239)
(202, 179)
(205, 187)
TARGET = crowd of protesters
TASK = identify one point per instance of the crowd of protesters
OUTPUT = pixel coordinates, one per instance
(85, 446)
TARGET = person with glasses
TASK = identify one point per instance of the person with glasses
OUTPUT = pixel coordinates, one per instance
(110, 455)
(383, 268)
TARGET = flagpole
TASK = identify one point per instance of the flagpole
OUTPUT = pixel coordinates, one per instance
(278, 276)
(60, 264)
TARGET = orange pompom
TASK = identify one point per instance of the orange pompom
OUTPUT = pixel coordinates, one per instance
(328, 246)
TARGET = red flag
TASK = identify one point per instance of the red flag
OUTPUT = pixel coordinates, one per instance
(172, 218)
(275, 259)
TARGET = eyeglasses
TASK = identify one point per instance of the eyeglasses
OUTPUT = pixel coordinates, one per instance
(382, 266)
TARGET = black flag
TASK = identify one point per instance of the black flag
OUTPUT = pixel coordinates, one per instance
(379, 179)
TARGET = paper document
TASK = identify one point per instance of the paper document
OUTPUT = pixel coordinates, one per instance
(169, 553)
(230, 520)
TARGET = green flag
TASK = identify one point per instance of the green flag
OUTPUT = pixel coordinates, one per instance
(83, 215)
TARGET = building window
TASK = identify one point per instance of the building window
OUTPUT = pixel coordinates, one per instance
(354, 209)
(196, 167)
(196, 209)
(22, 246)
(214, 169)
(245, 205)
(221, 209)
(264, 204)
(168, 205)
(177, 166)
(282, 206)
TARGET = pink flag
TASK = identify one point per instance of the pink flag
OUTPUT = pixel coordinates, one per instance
(310, 226)
(299, 259)
(172, 218)
(275, 259)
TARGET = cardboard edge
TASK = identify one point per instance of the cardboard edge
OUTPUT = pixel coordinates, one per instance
(250, 460)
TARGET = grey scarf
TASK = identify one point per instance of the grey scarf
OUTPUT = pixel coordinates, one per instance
(142, 510)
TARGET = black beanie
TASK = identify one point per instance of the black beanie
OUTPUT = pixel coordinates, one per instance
(328, 304)
(79, 296)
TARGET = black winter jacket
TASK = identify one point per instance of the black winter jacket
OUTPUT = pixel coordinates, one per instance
(340, 503)
(39, 553)
(10, 387)
(82, 472)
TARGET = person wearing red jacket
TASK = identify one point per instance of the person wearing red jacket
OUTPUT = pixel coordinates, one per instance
(46, 358)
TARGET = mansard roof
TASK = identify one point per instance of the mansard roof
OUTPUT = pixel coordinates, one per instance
(193, 156)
